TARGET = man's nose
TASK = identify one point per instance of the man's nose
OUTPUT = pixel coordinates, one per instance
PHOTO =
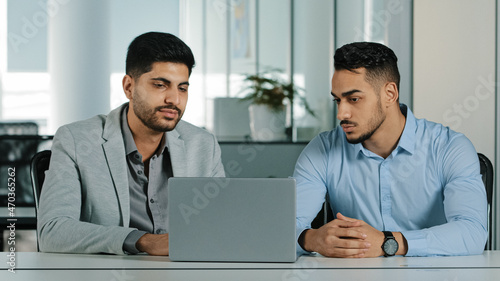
(343, 111)
(172, 96)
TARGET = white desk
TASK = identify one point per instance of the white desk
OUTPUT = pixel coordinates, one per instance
(73, 267)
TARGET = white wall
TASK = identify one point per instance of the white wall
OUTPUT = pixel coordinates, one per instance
(454, 67)
(78, 61)
(27, 27)
(130, 18)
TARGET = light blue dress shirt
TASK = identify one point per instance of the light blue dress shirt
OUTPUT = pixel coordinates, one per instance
(429, 188)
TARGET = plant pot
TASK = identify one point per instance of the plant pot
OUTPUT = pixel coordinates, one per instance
(267, 124)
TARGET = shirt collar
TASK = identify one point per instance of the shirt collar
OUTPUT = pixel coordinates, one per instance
(128, 138)
(407, 139)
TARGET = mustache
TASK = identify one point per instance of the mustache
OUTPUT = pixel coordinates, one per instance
(347, 122)
(173, 107)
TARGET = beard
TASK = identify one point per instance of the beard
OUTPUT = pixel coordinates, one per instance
(148, 116)
(373, 124)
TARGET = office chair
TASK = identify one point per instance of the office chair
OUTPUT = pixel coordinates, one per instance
(39, 164)
(325, 214)
(18, 143)
(487, 175)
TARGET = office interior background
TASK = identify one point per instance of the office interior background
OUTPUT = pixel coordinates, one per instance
(63, 61)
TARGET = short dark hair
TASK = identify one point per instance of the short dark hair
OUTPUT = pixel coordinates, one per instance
(379, 61)
(152, 47)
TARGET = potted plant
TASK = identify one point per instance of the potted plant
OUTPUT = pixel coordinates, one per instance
(270, 97)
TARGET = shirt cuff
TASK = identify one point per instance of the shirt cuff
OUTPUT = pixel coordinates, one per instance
(300, 250)
(131, 240)
(417, 243)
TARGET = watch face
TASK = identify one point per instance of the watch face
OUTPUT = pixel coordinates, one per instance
(390, 247)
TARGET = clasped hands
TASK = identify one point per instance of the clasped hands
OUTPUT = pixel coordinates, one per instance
(345, 237)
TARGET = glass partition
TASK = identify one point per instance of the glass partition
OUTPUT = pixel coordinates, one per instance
(234, 38)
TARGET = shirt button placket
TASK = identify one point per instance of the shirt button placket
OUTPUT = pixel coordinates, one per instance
(385, 193)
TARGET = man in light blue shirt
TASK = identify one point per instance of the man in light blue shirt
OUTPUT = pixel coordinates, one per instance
(398, 185)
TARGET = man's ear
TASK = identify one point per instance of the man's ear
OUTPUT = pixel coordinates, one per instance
(128, 84)
(391, 93)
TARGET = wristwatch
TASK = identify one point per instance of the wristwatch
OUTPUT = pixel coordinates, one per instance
(390, 245)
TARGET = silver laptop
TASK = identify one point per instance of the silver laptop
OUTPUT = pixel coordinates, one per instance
(232, 219)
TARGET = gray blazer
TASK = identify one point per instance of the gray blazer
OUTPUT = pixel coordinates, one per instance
(84, 204)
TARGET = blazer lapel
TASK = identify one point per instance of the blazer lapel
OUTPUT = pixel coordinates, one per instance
(177, 154)
(114, 150)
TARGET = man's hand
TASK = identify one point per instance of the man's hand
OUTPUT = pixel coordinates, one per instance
(153, 244)
(342, 238)
(376, 238)
(373, 236)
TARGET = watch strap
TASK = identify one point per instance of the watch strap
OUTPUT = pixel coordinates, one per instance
(388, 235)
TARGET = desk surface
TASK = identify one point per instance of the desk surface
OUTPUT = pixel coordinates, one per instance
(48, 266)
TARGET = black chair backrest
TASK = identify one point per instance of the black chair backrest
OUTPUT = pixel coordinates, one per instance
(39, 164)
(487, 175)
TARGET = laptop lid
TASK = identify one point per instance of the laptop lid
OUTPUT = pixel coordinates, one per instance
(232, 219)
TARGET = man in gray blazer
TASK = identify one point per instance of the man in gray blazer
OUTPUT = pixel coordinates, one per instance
(106, 189)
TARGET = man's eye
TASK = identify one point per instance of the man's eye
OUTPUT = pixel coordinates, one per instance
(355, 99)
(336, 100)
(183, 89)
(159, 85)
